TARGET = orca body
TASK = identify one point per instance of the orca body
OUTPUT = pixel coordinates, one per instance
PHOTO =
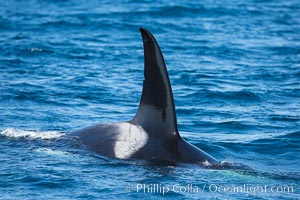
(152, 134)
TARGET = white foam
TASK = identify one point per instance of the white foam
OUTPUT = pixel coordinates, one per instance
(206, 163)
(52, 152)
(18, 133)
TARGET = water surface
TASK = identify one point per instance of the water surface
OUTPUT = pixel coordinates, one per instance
(234, 69)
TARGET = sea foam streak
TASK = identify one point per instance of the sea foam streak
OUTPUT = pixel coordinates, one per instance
(18, 133)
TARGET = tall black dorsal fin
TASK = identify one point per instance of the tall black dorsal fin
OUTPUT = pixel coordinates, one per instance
(156, 110)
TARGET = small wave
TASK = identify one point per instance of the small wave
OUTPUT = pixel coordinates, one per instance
(52, 152)
(18, 133)
(64, 23)
(13, 61)
(234, 95)
(285, 118)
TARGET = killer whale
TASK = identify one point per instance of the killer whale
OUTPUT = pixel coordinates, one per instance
(153, 133)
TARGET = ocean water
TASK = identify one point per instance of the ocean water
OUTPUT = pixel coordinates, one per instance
(234, 68)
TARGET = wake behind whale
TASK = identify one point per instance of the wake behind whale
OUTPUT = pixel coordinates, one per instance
(153, 133)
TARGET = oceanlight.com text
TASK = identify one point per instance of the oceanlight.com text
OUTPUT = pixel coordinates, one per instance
(164, 189)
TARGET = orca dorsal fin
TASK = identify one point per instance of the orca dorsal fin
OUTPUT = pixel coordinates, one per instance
(156, 111)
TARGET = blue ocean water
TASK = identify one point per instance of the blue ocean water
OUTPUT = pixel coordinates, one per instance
(235, 72)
